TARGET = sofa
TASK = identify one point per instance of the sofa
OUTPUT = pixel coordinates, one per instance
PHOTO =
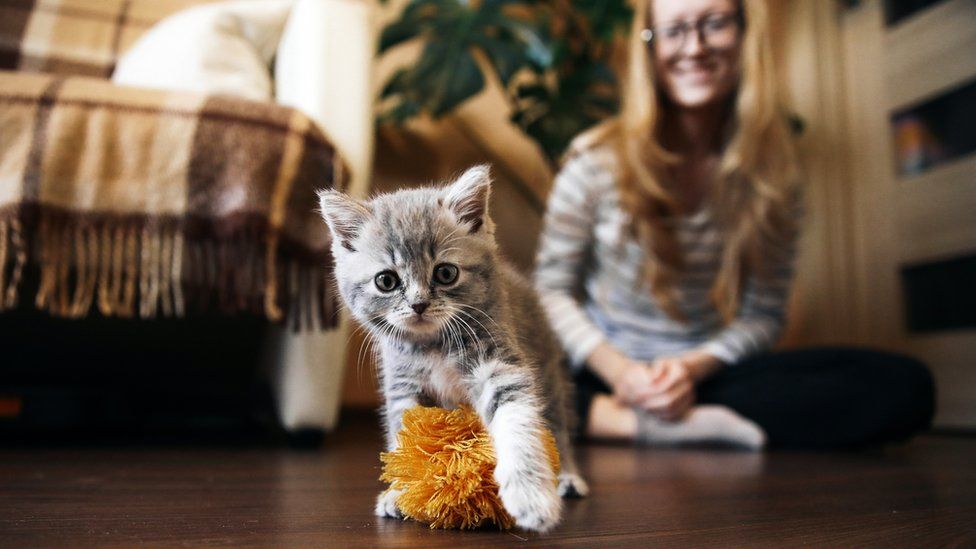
(119, 202)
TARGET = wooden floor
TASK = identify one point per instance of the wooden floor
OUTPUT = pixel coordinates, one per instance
(920, 495)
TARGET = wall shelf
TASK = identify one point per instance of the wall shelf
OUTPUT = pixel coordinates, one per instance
(929, 53)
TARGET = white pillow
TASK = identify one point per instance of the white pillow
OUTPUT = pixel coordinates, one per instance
(223, 48)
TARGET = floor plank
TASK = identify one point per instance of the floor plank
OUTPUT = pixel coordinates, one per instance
(922, 494)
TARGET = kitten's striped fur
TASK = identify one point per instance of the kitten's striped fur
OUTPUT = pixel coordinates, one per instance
(481, 339)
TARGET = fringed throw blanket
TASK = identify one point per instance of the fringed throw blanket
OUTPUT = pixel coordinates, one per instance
(144, 203)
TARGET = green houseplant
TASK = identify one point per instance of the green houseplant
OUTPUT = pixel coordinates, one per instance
(552, 58)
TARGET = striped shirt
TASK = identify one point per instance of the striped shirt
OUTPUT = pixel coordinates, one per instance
(588, 272)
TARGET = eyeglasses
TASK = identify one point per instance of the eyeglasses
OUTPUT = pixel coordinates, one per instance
(717, 31)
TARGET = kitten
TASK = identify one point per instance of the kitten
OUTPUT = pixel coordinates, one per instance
(420, 269)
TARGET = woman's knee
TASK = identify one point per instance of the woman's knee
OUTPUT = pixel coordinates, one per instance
(920, 378)
(909, 384)
(897, 392)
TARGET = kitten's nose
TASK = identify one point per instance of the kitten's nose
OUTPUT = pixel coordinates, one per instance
(419, 308)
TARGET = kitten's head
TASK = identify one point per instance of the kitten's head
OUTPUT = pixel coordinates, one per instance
(413, 263)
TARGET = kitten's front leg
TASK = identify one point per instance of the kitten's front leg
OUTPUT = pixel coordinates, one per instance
(571, 483)
(399, 396)
(505, 397)
(393, 410)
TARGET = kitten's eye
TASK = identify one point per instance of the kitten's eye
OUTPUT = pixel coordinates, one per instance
(445, 273)
(387, 281)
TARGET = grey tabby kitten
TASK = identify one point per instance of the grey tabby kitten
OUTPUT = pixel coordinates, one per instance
(420, 269)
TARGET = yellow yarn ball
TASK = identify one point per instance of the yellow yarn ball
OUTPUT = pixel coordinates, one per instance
(444, 464)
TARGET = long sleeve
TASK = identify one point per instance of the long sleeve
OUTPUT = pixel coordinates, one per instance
(762, 313)
(563, 258)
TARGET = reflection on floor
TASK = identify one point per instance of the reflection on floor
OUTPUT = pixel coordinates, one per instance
(920, 494)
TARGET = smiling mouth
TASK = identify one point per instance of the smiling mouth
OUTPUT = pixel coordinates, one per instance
(696, 71)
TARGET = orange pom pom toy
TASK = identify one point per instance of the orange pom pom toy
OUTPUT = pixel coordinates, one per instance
(444, 464)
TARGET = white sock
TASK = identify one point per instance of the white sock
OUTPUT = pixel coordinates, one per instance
(703, 424)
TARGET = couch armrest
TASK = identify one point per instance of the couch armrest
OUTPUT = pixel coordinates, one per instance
(324, 68)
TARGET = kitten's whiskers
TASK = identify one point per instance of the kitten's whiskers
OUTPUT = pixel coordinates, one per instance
(485, 328)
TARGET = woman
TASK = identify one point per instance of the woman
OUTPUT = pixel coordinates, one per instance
(667, 255)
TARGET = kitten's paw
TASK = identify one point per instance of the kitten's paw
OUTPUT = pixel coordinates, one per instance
(572, 485)
(386, 504)
(533, 507)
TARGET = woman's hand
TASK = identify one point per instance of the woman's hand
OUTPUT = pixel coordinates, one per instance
(664, 388)
(672, 389)
(628, 379)
(632, 382)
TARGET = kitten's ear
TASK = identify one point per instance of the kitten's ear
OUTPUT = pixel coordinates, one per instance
(468, 197)
(344, 216)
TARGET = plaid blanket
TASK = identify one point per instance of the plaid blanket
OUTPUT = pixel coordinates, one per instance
(141, 203)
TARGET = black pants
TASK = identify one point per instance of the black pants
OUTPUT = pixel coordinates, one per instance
(815, 398)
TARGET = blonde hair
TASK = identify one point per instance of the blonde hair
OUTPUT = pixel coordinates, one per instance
(753, 196)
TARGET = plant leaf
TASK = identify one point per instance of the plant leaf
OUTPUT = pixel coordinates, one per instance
(536, 49)
(417, 18)
(458, 81)
(505, 57)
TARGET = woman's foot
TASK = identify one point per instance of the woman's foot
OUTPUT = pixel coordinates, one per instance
(610, 420)
(703, 424)
(706, 424)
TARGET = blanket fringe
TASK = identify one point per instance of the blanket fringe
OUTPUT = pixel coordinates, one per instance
(153, 268)
(13, 258)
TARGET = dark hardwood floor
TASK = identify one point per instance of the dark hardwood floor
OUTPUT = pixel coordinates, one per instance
(919, 495)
